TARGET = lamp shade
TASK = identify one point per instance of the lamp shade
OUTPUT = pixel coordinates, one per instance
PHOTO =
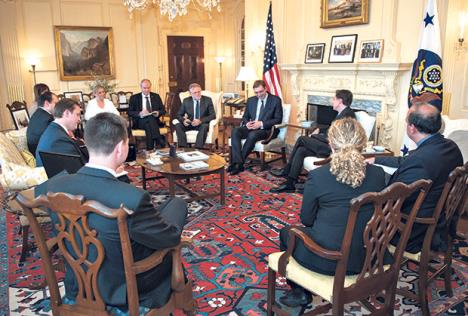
(220, 59)
(246, 74)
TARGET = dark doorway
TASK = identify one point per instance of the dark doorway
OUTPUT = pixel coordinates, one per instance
(186, 65)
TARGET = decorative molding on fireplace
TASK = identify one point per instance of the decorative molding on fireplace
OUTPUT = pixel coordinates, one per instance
(374, 86)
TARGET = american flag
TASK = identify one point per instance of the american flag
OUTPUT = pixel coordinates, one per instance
(270, 68)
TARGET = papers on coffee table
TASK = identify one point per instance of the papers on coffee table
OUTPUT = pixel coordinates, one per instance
(194, 165)
(193, 156)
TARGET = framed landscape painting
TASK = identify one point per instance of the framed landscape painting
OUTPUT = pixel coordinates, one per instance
(84, 52)
(314, 53)
(336, 13)
(342, 48)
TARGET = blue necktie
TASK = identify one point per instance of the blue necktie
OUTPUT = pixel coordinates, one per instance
(197, 110)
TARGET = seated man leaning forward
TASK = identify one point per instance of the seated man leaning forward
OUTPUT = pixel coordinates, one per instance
(149, 228)
(433, 159)
(325, 206)
(58, 135)
(314, 145)
(262, 112)
(195, 113)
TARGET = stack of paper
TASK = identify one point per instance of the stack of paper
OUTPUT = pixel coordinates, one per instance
(192, 156)
(194, 165)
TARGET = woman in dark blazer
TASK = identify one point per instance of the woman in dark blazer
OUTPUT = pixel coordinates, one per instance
(325, 206)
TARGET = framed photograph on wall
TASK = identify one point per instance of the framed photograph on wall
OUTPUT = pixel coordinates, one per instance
(314, 53)
(84, 52)
(342, 48)
(75, 95)
(20, 118)
(336, 13)
(371, 51)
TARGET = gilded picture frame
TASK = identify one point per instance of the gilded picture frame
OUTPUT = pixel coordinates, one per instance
(337, 13)
(84, 52)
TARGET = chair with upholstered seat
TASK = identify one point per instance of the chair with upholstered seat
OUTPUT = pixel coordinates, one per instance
(450, 205)
(367, 121)
(273, 144)
(212, 135)
(84, 252)
(377, 278)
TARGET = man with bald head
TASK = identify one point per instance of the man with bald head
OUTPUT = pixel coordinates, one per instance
(434, 158)
(146, 109)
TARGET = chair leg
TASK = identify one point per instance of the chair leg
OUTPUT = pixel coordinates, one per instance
(263, 162)
(271, 291)
(25, 246)
(283, 154)
(448, 269)
(422, 290)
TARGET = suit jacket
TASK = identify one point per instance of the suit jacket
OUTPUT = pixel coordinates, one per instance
(347, 112)
(324, 212)
(148, 228)
(55, 139)
(433, 160)
(270, 116)
(37, 125)
(207, 111)
(135, 106)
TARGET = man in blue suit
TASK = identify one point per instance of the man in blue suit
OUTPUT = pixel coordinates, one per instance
(150, 228)
(434, 159)
(263, 111)
(56, 138)
(40, 119)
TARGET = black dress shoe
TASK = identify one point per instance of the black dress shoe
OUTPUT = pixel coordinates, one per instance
(279, 173)
(237, 169)
(230, 168)
(296, 298)
(285, 187)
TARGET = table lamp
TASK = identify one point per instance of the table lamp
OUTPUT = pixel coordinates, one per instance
(246, 74)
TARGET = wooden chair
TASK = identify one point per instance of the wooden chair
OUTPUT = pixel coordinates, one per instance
(376, 278)
(72, 213)
(451, 203)
(19, 114)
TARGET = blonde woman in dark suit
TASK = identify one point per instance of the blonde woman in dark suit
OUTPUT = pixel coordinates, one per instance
(325, 205)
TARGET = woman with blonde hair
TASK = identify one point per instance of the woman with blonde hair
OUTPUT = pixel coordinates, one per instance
(325, 205)
(99, 104)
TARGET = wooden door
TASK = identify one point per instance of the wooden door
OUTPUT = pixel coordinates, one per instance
(186, 62)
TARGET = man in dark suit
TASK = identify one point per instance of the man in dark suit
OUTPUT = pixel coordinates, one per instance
(434, 158)
(315, 145)
(195, 113)
(262, 112)
(57, 136)
(149, 228)
(145, 109)
(40, 119)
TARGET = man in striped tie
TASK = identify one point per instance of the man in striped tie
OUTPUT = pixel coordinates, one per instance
(195, 113)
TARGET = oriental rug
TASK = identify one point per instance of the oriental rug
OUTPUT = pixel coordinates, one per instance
(228, 260)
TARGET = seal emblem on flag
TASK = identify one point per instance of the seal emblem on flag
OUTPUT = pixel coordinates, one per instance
(432, 76)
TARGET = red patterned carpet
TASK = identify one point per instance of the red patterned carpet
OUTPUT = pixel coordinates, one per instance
(228, 260)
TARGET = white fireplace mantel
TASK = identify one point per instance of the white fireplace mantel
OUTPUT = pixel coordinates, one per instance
(378, 82)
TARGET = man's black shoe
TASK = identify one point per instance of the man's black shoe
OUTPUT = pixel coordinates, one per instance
(237, 169)
(285, 187)
(279, 173)
(230, 168)
(296, 298)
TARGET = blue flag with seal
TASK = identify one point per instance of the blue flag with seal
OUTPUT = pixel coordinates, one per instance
(426, 75)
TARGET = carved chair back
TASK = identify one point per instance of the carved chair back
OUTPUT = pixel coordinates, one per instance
(376, 276)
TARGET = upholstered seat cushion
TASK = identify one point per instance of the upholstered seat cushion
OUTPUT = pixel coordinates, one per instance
(309, 162)
(21, 177)
(18, 137)
(317, 283)
(408, 255)
(9, 152)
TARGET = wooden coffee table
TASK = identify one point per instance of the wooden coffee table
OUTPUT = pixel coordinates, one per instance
(170, 169)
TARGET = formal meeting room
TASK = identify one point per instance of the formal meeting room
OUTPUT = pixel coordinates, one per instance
(234, 157)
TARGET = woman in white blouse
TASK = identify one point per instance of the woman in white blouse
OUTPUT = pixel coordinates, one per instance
(99, 104)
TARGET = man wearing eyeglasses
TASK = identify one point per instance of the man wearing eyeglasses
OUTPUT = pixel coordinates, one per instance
(263, 111)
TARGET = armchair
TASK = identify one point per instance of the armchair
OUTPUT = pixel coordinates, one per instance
(367, 121)
(212, 137)
(377, 278)
(273, 144)
(72, 212)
